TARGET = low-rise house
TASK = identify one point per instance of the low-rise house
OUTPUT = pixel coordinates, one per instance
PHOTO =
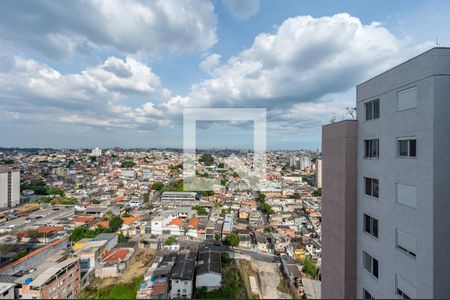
(114, 263)
(209, 273)
(182, 277)
(156, 280)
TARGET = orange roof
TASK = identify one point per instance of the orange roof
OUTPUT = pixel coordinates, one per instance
(119, 199)
(103, 224)
(128, 220)
(30, 255)
(48, 229)
(116, 255)
(177, 222)
(83, 219)
(194, 222)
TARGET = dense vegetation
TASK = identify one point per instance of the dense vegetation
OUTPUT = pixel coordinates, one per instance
(157, 186)
(83, 232)
(128, 164)
(309, 267)
(318, 192)
(200, 210)
(41, 188)
(266, 208)
(232, 239)
(206, 159)
(116, 291)
(170, 241)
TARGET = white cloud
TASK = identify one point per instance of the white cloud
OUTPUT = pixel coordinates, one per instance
(304, 60)
(302, 73)
(58, 28)
(209, 63)
(242, 9)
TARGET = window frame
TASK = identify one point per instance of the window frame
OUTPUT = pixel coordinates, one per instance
(374, 264)
(372, 187)
(408, 147)
(369, 148)
(371, 104)
(373, 230)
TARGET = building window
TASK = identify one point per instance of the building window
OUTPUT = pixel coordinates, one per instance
(367, 295)
(371, 148)
(406, 243)
(407, 147)
(370, 264)
(407, 99)
(371, 187)
(372, 109)
(371, 225)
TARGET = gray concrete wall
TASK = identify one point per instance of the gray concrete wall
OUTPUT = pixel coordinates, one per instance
(428, 172)
(339, 210)
(441, 166)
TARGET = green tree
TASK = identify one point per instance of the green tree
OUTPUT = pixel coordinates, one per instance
(309, 267)
(221, 165)
(217, 237)
(20, 254)
(95, 201)
(232, 239)
(115, 223)
(200, 210)
(170, 241)
(225, 258)
(128, 164)
(207, 159)
(122, 238)
(318, 192)
(266, 208)
(157, 186)
(146, 197)
(261, 197)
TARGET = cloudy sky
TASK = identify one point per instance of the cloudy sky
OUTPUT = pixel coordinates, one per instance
(119, 73)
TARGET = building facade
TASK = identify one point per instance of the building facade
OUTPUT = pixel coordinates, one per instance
(402, 233)
(9, 186)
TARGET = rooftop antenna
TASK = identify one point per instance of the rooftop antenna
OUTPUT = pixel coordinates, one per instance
(437, 41)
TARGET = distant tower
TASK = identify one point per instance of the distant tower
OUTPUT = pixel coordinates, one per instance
(96, 152)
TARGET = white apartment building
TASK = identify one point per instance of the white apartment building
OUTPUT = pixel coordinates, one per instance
(9, 186)
(395, 237)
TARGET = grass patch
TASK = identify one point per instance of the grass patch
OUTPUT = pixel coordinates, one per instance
(283, 285)
(247, 271)
(116, 291)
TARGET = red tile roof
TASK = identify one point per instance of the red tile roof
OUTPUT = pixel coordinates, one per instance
(128, 220)
(194, 222)
(119, 199)
(116, 255)
(177, 222)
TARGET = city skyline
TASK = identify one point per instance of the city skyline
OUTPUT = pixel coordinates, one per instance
(81, 80)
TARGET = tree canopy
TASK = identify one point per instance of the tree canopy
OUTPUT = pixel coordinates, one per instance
(232, 239)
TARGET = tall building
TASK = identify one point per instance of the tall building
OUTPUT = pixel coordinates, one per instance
(96, 152)
(402, 173)
(9, 186)
(318, 168)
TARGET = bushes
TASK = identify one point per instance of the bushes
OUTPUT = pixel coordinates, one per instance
(309, 267)
(232, 239)
(200, 210)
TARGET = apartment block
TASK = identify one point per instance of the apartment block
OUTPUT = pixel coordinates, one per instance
(403, 169)
(9, 186)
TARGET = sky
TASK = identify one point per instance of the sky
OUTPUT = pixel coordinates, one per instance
(81, 74)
